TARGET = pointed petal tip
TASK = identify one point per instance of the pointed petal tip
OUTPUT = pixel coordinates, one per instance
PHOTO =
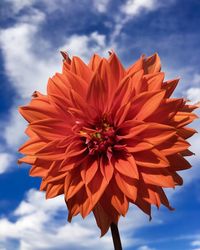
(64, 54)
(111, 52)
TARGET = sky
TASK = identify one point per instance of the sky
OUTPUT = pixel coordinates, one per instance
(32, 32)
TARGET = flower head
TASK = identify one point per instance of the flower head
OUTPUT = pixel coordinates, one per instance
(106, 136)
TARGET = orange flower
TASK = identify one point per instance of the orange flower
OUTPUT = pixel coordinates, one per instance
(106, 136)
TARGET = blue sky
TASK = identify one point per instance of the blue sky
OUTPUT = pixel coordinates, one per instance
(32, 34)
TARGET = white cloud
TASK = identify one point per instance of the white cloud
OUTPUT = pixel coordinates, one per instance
(41, 224)
(196, 243)
(37, 227)
(101, 5)
(24, 69)
(29, 71)
(84, 46)
(134, 7)
(193, 94)
(5, 162)
(14, 129)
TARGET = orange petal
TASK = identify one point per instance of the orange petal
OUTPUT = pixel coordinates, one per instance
(116, 67)
(127, 185)
(167, 109)
(138, 65)
(182, 119)
(186, 133)
(122, 95)
(177, 179)
(157, 196)
(106, 169)
(150, 106)
(85, 203)
(130, 129)
(169, 87)
(158, 179)
(97, 187)
(89, 170)
(154, 81)
(144, 104)
(105, 202)
(94, 62)
(73, 184)
(143, 205)
(136, 145)
(118, 199)
(127, 167)
(37, 171)
(54, 190)
(81, 69)
(137, 82)
(77, 83)
(97, 93)
(27, 159)
(32, 146)
(174, 145)
(73, 207)
(177, 162)
(121, 114)
(151, 159)
(157, 133)
(102, 219)
(58, 85)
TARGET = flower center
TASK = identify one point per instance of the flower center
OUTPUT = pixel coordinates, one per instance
(99, 140)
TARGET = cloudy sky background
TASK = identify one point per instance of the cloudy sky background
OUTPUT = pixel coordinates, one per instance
(32, 33)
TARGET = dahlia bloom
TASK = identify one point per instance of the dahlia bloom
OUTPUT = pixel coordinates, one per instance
(106, 136)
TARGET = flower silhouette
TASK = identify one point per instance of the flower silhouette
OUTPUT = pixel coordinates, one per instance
(106, 136)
